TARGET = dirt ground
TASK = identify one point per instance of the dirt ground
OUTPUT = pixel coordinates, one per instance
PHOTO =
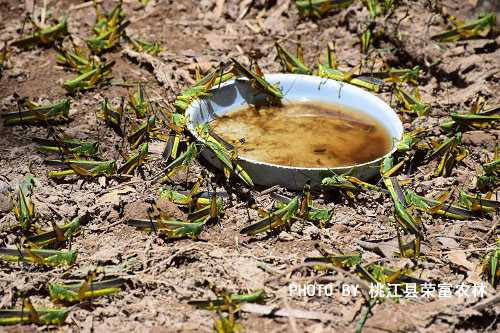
(165, 274)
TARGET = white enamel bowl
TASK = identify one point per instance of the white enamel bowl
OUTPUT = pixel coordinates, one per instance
(296, 88)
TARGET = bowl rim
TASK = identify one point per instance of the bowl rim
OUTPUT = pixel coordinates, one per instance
(191, 125)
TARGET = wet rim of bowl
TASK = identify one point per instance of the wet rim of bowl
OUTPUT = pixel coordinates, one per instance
(192, 108)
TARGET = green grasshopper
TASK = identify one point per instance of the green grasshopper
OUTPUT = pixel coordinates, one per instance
(145, 131)
(82, 168)
(138, 102)
(378, 8)
(257, 80)
(41, 257)
(397, 75)
(29, 314)
(108, 28)
(43, 36)
(82, 291)
(487, 183)
(349, 184)
(412, 139)
(450, 151)
(58, 234)
(73, 60)
(478, 28)
(88, 80)
(30, 112)
(113, 117)
(292, 64)
(133, 162)
(401, 214)
(473, 120)
(329, 71)
(209, 212)
(227, 156)
(389, 275)
(202, 86)
(151, 48)
(277, 219)
(25, 208)
(178, 164)
(433, 206)
(173, 229)
(491, 265)
(258, 296)
(326, 261)
(411, 103)
(174, 137)
(475, 202)
(64, 145)
(318, 8)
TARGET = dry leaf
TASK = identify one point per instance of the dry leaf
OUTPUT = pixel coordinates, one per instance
(114, 196)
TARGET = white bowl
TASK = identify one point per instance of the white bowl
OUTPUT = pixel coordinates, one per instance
(296, 88)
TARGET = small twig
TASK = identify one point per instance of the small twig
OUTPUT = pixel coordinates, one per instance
(291, 317)
(468, 250)
(270, 190)
(485, 239)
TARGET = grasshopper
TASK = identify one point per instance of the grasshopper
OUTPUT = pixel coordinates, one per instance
(326, 261)
(43, 36)
(258, 81)
(174, 137)
(29, 314)
(433, 206)
(25, 208)
(318, 8)
(390, 275)
(411, 103)
(491, 265)
(475, 202)
(478, 28)
(397, 75)
(173, 229)
(412, 139)
(133, 162)
(64, 145)
(41, 257)
(87, 289)
(73, 60)
(329, 71)
(88, 80)
(178, 164)
(58, 234)
(140, 45)
(112, 117)
(401, 214)
(291, 63)
(258, 296)
(108, 28)
(450, 151)
(138, 103)
(276, 219)
(226, 302)
(487, 183)
(349, 184)
(209, 212)
(144, 132)
(82, 168)
(30, 112)
(228, 160)
(202, 86)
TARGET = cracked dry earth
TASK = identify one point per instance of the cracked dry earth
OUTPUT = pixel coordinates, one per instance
(165, 274)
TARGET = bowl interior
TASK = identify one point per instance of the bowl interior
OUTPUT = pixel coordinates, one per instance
(296, 88)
